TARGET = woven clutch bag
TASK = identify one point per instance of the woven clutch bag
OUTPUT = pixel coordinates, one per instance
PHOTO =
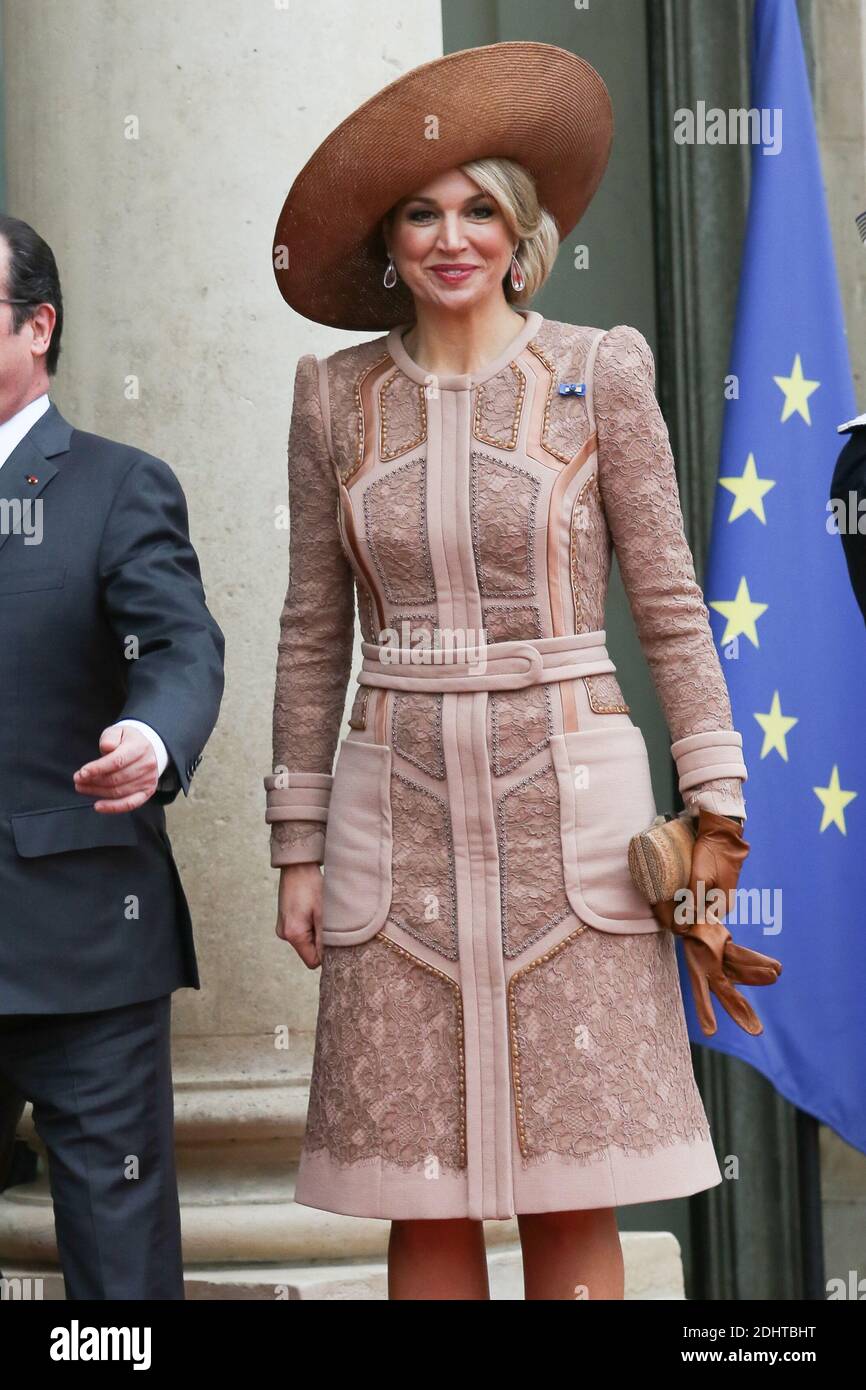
(660, 857)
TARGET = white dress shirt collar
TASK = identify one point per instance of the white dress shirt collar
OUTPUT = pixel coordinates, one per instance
(13, 430)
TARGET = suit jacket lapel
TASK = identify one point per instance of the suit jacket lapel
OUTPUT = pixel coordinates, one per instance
(28, 469)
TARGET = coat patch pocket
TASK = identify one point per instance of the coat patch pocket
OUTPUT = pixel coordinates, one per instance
(605, 797)
(356, 894)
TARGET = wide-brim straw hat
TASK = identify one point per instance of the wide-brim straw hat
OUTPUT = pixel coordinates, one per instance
(535, 103)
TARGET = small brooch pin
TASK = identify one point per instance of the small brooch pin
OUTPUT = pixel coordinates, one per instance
(31, 478)
(572, 388)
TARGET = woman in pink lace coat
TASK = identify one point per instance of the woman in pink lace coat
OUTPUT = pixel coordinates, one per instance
(500, 1028)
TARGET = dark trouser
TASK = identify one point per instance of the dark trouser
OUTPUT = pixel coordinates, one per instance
(11, 1110)
(103, 1106)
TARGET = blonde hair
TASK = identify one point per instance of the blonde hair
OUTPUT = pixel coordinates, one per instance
(538, 239)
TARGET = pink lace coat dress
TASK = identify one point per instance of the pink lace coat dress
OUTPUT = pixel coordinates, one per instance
(500, 1024)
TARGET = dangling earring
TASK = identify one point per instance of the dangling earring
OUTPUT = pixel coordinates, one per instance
(518, 279)
(390, 278)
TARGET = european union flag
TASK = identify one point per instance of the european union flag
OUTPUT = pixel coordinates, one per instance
(788, 629)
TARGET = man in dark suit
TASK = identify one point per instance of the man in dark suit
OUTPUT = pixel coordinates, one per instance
(848, 492)
(111, 676)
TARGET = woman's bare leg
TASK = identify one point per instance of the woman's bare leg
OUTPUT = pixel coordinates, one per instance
(437, 1260)
(572, 1254)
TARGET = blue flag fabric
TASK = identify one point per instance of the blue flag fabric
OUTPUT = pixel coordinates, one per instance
(786, 623)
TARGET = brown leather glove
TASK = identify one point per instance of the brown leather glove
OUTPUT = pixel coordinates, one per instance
(713, 959)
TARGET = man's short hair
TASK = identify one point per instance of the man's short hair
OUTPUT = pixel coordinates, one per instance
(33, 276)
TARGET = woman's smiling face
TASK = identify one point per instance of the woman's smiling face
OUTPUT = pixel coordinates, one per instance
(450, 242)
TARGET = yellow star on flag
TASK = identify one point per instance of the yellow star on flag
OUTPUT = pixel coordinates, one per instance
(740, 613)
(748, 490)
(775, 725)
(797, 390)
(834, 800)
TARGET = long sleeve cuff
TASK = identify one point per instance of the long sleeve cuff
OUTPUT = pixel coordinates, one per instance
(704, 757)
(711, 771)
(297, 811)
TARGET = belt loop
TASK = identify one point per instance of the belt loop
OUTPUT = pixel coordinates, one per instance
(535, 659)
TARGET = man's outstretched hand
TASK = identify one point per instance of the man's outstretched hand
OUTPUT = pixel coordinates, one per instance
(125, 776)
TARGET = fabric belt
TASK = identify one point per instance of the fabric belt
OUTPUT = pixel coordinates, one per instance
(507, 665)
